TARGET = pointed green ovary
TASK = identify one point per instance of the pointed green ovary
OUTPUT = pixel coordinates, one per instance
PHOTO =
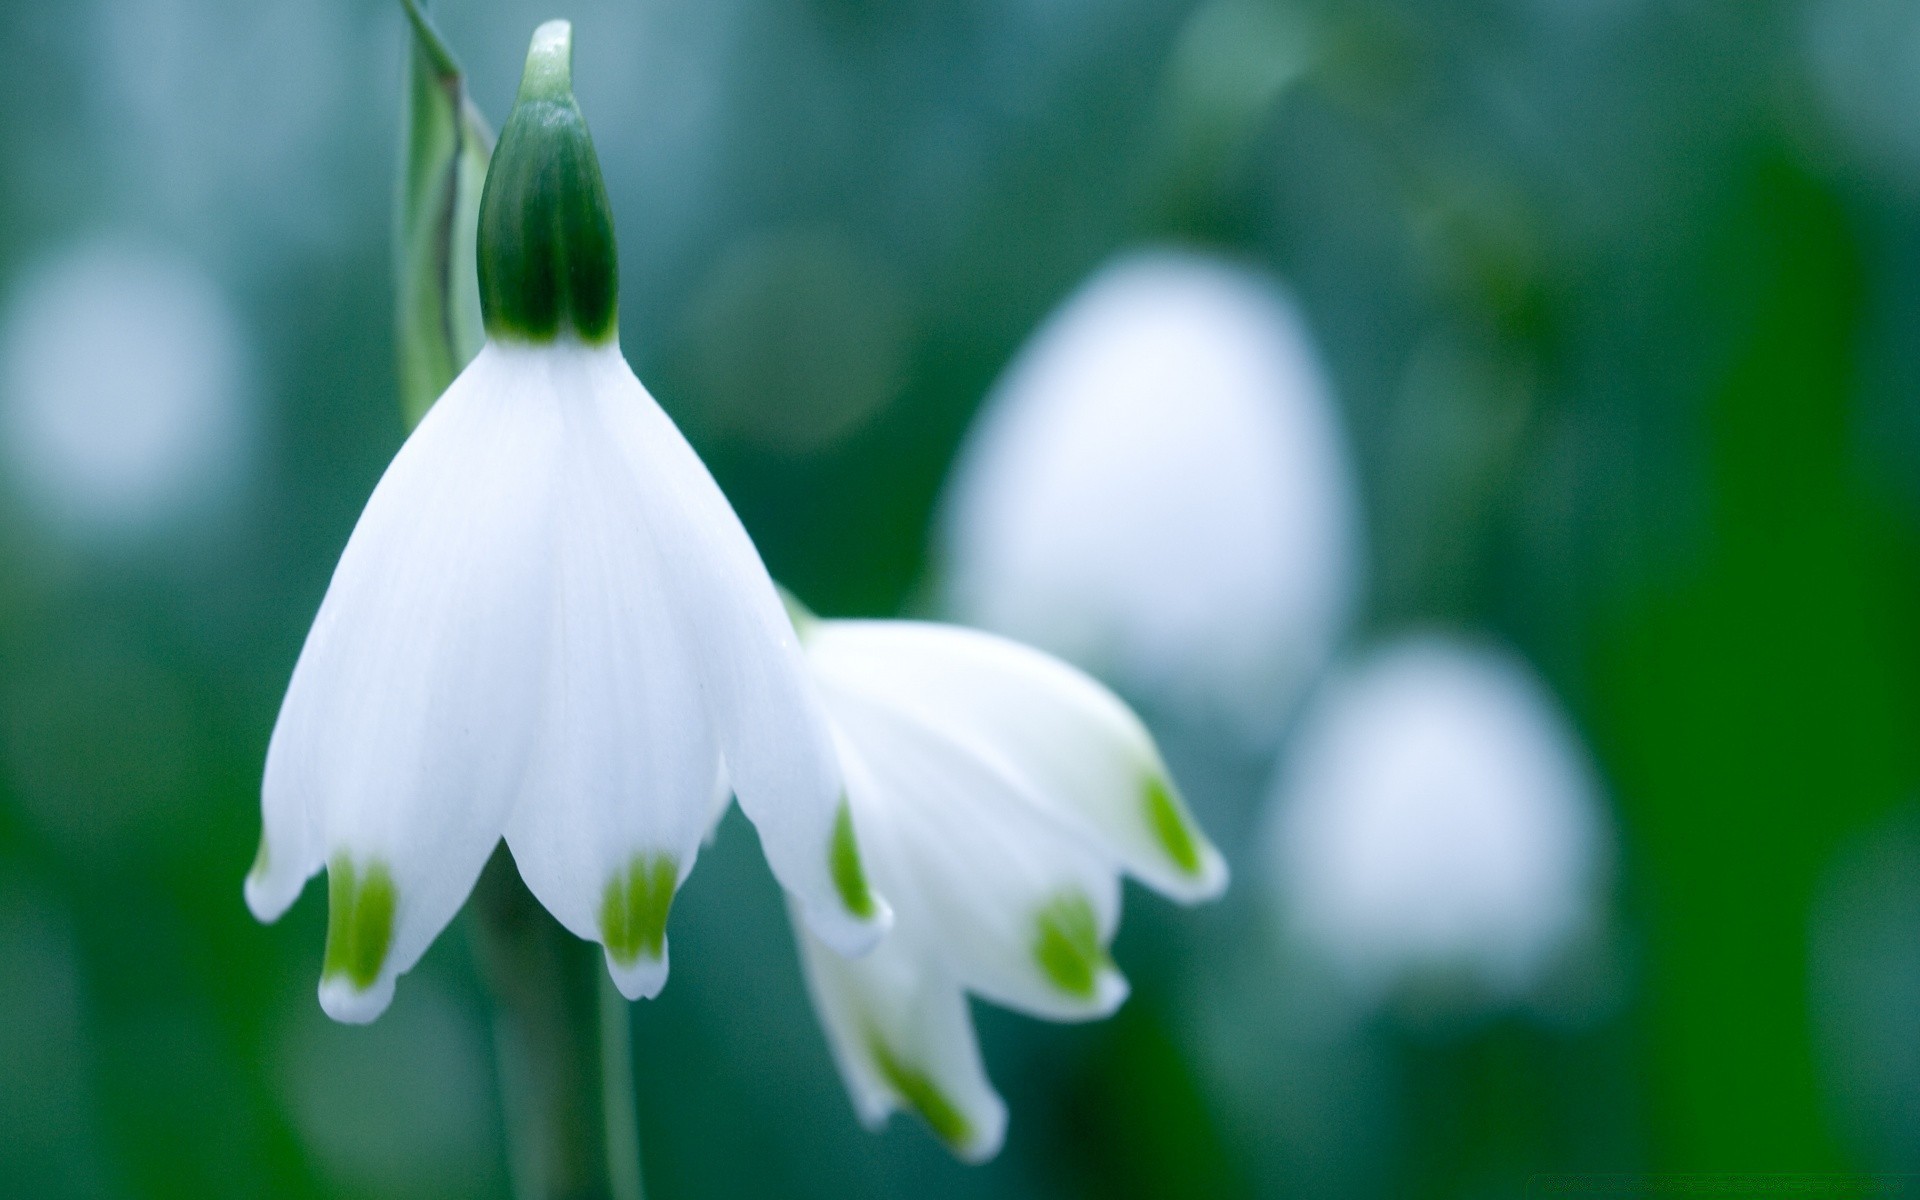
(360, 907)
(1067, 946)
(917, 1090)
(633, 909)
(843, 862)
(1171, 826)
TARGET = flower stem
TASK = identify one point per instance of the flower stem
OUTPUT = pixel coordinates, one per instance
(564, 1045)
(622, 1123)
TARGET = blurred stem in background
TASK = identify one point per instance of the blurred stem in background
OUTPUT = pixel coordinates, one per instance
(1756, 716)
(1230, 65)
(562, 1039)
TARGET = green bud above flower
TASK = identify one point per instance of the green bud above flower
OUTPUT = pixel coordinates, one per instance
(546, 249)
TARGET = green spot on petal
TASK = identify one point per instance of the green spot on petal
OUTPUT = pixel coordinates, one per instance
(1067, 945)
(918, 1092)
(1170, 826)
(843, 860)
(359, 921)
(260, 859)
(633, 909)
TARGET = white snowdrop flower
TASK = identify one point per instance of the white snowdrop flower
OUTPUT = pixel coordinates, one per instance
(1158, 489)
(1437, 813)
(547, 624)
(120, 389)
(999, 795)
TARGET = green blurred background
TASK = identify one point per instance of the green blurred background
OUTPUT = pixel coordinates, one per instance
(1651, 270)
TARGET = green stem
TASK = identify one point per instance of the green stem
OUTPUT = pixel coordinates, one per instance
(616, 1085)
(564, 1045)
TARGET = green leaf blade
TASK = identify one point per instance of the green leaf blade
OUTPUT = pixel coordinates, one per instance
(446, 146)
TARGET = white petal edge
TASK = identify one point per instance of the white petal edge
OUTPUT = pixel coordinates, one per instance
(406, 726)
(1086, 756)
(773, 736)
(902, 1037)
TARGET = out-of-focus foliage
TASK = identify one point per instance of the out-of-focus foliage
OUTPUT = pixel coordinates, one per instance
(1618, 299)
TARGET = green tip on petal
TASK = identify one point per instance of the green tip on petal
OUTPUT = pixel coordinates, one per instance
(546, 250)
(1171, 827)
(849, 876)
(1067, 945)
(359, 921)
(917, 1090)
(633, 909)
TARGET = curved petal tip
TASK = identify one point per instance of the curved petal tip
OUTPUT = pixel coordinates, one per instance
(1110, 991)
(971, 1123)
(1204, 884)
(350, 1004)
(273, 883)
(1106, 992)
(1192, 869)
(633, 923)
(266, 902)
(849, 934)
(988, 1135)
(641, 977)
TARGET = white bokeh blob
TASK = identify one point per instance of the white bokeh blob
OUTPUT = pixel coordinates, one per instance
(1437, 813)
(121, 398)
(1159, 490)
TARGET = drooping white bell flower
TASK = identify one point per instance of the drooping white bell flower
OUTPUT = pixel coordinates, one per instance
(547, 624)
(1158, 490)
(1437, 813)
(999, 796)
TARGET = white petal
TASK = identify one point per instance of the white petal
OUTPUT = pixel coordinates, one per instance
(621, 791)
(401, 742)
(778, 751)
(1080, 750)
(1021, 909)
(902, 1036)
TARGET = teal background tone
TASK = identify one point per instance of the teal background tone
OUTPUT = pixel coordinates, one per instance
(1621, 301)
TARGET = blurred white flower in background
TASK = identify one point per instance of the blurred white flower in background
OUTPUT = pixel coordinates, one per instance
(121, 398)
(1159, 490)
(1437, 818)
